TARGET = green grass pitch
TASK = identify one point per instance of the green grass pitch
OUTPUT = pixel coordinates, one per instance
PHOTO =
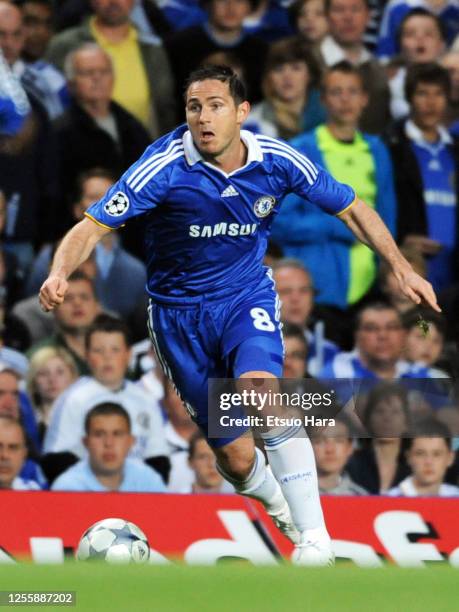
(239, 587)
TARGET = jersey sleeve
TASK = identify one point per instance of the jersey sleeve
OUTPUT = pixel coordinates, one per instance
(141, 188)
(315, 184)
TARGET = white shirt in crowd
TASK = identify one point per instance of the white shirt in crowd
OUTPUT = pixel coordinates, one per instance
(406, 488)
(66, 425)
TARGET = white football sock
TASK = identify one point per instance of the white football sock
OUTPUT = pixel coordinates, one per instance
(293, 464)
(260, 484)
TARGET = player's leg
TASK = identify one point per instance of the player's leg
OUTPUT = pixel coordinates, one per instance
(244, 466)
(254, 347)
(292, 462)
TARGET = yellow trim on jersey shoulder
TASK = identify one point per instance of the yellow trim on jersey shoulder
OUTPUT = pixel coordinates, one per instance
(347, 207)
(98, 222)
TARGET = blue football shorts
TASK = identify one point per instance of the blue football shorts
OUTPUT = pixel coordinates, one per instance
(217, 338)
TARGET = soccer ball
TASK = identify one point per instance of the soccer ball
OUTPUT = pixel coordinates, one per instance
(114, 540)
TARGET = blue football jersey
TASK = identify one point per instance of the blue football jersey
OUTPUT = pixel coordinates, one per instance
(206, 231)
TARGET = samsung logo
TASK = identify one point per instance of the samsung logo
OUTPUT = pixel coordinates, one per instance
(222, 229)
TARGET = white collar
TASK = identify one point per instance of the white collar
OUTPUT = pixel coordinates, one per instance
(407, 487)
(193, 156)
(333, 53)
(415, 134)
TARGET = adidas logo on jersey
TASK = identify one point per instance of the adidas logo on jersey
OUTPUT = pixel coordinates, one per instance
(229, 192)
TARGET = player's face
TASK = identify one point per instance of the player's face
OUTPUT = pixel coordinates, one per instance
(388, 418)
(13, 452)
(421, 40)
(423, 347)
(79, 308)
(93, 189)
(344, 98)
(11, 32)
(53, 378)
(113, 12)
(213, 117)
(108, 442)
(429, 458)
(93, 76)
(38, 28)
(9, 395)
(295, 358)
(203, 463)
(348, 20)
(228, 14)
(296, 293)
(380, 336)
(108, 357)
(428, 105)
(289, 81)
(312, 21)
(332, 450)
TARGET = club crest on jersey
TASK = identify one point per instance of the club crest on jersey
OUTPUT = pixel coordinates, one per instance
(117, 205)
(264, 205)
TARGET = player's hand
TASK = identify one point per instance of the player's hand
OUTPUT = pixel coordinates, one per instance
(426, 246)
(416, 288)
(52, 292)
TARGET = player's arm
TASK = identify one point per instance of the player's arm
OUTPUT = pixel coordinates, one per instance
(74, 249)
(369, 228)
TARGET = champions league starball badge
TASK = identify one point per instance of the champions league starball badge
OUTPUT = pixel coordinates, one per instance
(117, 205)
(264, 205)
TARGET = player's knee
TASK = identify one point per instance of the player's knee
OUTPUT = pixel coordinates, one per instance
(236, 466)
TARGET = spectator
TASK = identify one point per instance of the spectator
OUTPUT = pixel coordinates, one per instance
(15, 404)
(295, 351)
(223, 30)
(73, 318)
(348, 20)
(108, 440)
(291, 99)
(108, 355)
(395, 11)
(296, 292)
(52, 370)
(14, 106)
(450, 61)
(380, 463)
(42, 82)
(332, 449)
(425, 347)
(379, 343)
(425, 160)
(207, 478)
(145, 15)
(429, 456)
(309, 19)
(13, 455)
(38, 20)
(143, 84)
(179, 430)
(119, 276)
(269, 21)
(28, 163)
(422, 40)
(95, 130)
(343, 269)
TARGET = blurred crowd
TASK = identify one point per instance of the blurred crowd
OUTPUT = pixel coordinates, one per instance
(366, 88)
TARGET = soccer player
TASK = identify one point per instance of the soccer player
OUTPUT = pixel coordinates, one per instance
(209, 191)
